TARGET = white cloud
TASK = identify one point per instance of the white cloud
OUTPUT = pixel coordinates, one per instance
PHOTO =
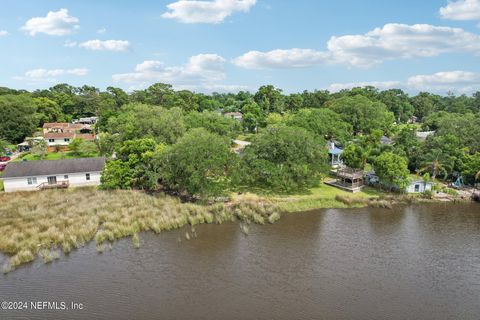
(106, 45)
(49, 75)
(56, 23)
(193, 11)
(456, 81)
(400, 41)
(440, 82)
(3, 33)
(391, 42)
(279, 59)
(102, 31)
(70, 44)
(202, 72)
(461, 10)
(382, 85)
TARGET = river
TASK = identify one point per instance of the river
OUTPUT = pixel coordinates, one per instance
(413, 262)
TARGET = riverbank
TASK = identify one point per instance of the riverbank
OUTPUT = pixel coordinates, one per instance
(46, 224)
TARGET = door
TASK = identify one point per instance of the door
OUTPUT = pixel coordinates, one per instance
(52, 180)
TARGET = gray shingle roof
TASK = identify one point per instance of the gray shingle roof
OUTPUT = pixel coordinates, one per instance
(53, 167)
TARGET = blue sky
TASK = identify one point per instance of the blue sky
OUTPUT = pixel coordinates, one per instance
(231, 45)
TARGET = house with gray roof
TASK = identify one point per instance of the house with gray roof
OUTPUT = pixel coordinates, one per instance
(52, 174)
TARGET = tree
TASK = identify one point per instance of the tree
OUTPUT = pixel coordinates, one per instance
(199, 165)
(397, 102)
(354, 156)
(83, 148)
(136, 121)
(133, 166)
(363, 114)
(323, 122)
(392, 170)
(3, 146)
(48, 110)
(213, 122)
(18, 117)
(253, 117)
(270, 99)
(407, 144)
(284, 159)
(441, 155)
(471, 167)
(40, 149)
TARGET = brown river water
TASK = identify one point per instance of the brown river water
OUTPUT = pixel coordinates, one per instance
(415, 262)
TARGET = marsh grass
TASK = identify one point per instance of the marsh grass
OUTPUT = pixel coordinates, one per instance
(40, 224)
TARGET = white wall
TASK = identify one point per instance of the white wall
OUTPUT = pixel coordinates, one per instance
(422, 187)
(58, 142)
(74, 180)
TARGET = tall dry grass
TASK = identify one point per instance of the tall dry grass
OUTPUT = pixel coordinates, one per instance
(42, 223)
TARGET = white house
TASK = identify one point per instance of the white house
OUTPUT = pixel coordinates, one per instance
(51, 174)
(419, 186)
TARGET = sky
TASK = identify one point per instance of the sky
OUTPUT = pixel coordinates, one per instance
(232, 45)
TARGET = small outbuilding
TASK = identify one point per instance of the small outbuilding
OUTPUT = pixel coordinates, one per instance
(419, 186)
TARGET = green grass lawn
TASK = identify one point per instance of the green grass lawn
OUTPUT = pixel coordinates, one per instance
(49, 156)
(323, 196)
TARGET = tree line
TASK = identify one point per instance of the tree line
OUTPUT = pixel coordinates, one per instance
(181, 142)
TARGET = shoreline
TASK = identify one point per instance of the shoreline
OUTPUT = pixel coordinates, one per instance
(50, 223)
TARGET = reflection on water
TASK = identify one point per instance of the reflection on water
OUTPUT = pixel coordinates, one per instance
(416, 262)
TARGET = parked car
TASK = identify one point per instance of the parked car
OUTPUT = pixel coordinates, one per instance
(2, 167)
(5, 159)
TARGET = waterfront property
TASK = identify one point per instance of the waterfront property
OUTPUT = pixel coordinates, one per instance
(52, 174)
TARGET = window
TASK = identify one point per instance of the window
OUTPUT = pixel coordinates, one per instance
(87, 176)
(66, 139)
(32, 180)
(65, 177)
(51, 140)
(417, 188)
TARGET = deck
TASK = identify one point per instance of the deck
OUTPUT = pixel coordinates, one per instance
(58, 185)
(344, 186)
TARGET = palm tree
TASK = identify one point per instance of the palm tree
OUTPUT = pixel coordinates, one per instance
(436, 167)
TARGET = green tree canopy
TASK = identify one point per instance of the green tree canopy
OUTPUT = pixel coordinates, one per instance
(200, 164)
(18, 117)
(363, 114)
(323, 122)
(284, 159)
(392, 170)
(136, 121)
(213, 122)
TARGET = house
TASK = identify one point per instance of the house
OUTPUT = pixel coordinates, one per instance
(234, 115)
(419, 186)
(423, 135)
(334, 155)
(386, 141)
(45, 174)
(60, 134)
(87, 120)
